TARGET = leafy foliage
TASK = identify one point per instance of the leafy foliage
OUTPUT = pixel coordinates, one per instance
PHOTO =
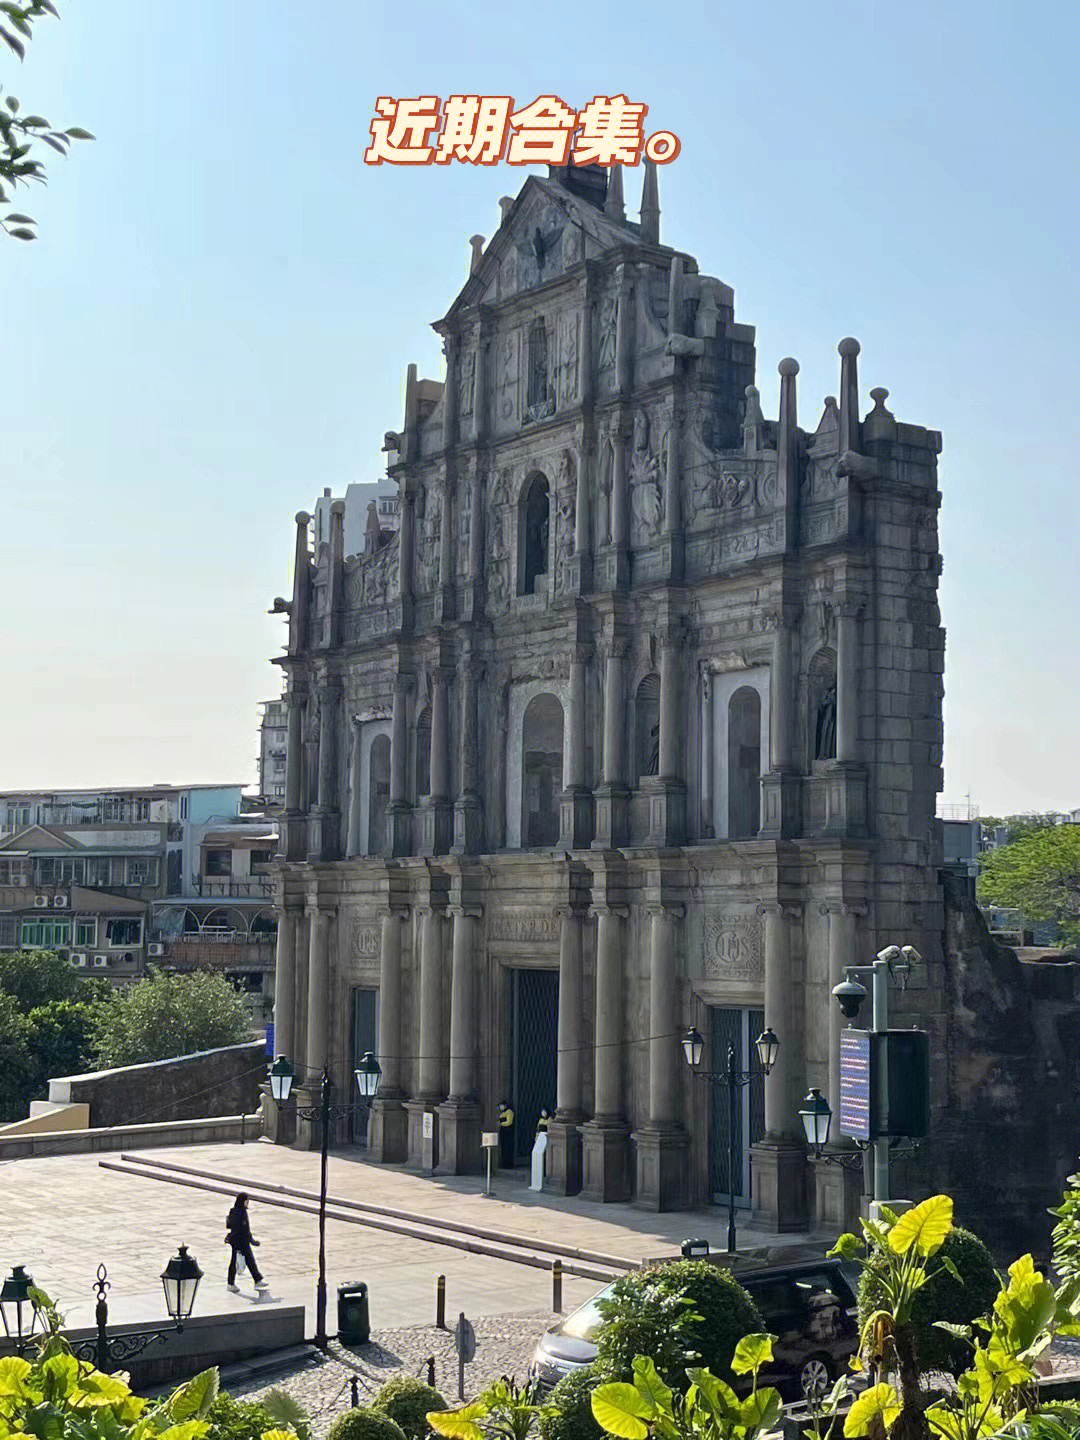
(1039, 874)
(168, 1015)
(38, 977)
(502, 1411)
(942, 1298)
(1066, 1233)
(407, 1400)
(231, 1419)
(364, 1422)
(710, 1407)
(568, 1414)
(20, 132)
(676, 1313)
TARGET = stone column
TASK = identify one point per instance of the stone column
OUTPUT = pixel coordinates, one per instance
(388, 1120)
(624, 329)
(847, 683)
(318, 1027)
(398, 838)
(662, 1145)
(620, 498)
(354, 844)
(476, 524)
(673, 542)
(667, 792)
(280, 1121)
(298, 614)
(576, 818)
(293, 842)
(564, 1137)
(468, 808)
(437, 815)
(431, 1088)
(406, 545)
(459, 1114)
(778, 1160)
(323, 841)
(604, 1137)
(708, 749)
(780, 785)
(612, 796)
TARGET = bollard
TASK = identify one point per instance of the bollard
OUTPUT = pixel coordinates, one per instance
(354, 1391)
(440, 1303)
(243, 1124)
(556, 1286)
(431, 1371)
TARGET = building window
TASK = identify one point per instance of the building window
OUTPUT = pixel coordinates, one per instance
(744, 764)
(141, 872)
(541, 771)
(85, 934)
(260, 859)
(9, 931)
(534, 527)
(123, 932)
(378, 791)
(11, 872)
(45, 933)
(218, 862)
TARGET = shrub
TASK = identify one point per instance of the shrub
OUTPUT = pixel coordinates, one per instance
(407, 1400)
(941, 1298)
(365, 1423)
(568, 1415)
(644, 1317)
(231, 1419)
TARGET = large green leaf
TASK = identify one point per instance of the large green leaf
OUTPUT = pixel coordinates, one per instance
(761, 1410)
(193, 1400)
(879, 1402)
(619, 1408)
(13, 1372)
(717, 1395)
(847, 1247)
(458, 1424)
(751, 1353)
(924, 1226)
(649, 1386)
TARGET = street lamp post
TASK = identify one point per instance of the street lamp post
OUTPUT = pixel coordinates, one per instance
(735, 1079)
(180, 1280)
(368, 1074)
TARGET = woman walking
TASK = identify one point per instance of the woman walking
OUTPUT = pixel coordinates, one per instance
(240, 1243)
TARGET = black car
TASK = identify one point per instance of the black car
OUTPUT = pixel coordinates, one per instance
(809, 1307)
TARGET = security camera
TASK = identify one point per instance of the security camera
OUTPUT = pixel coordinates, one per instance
(849, 995)
(889, 954)
(911, 955)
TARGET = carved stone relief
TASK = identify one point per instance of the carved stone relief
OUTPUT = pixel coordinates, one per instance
(427, 539)
(646, 495)
(524, 925)
(734, 947)
(365, 941)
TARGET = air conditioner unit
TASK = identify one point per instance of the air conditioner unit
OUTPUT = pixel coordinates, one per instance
(78, 957)
(41, 902)
(155, 948)
(100, 961)
(60, 902)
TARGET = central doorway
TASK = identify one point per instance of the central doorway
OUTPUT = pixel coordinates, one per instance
(739, 1028)
(532, 1011)
(364, 1037)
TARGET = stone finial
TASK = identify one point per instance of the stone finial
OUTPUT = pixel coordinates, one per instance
(753, 422)
(649, 216)
(477, 243)
(614, 207)
(303, 520)
(849, 395)
(337, 507)
(708, 314)
(506, 204)
(372, 529)
(787, 439)
(880, 424)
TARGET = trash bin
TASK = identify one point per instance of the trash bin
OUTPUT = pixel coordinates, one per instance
(353, 1315)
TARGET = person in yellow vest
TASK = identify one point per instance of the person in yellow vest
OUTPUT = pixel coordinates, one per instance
(506, 1136)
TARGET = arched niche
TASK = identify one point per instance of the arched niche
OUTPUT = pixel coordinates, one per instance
(534, 533)
(647, 727)
(378, 791)
(744, 763)
(541, 771)
(821, 707)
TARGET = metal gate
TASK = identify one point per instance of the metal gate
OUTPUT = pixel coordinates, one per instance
(532, 1011)
(739, 1028)
(365, 1030)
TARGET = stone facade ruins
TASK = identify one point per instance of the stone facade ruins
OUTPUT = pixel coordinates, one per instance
(634, 724)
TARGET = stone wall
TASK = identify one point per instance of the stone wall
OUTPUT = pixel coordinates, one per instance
(1006, 1105)
(212, 1082)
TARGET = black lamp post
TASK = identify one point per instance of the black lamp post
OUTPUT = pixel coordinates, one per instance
(368, 1073)
(816, 1116)
(15, 1297)
(767, 1047)
(180, 1281)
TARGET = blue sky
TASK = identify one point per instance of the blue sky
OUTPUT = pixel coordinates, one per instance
(216, 321)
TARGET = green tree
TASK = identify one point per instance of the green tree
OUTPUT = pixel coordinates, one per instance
(20, 132)
(168, 1015)
(16, 1066)
(1038, 874)
(36, 977)
(60, 1040)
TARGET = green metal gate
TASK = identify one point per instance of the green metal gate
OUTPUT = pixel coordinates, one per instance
(532, 1009)
(739, 1028)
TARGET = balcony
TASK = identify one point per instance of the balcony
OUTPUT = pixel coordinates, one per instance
(257, 887)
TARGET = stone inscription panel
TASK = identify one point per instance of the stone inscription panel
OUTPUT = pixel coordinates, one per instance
(734, 947)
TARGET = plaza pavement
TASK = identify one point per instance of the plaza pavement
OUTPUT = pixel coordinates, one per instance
(61, 1216)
